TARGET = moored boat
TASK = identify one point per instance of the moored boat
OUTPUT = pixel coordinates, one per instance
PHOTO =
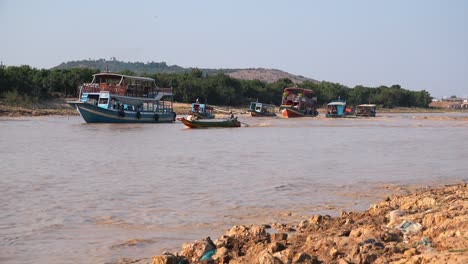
(207, 123)
(117, 98)
(201, 111)
(257, 109)
(336, 108)
(366, 110)
(298, 102)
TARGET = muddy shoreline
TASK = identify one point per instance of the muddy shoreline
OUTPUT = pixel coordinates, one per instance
(425, 226)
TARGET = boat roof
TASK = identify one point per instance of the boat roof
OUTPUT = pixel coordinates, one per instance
(258, 103)
(207, 107)
(303, 90)
(133, 100)
(119, 76)
(337, 103)
(367, 105)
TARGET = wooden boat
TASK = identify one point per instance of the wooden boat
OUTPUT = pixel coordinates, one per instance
(298, 102)
(336, 108)
(257, 109)
(117, 98)
(207, 123)
(366, 110)
(202, 111)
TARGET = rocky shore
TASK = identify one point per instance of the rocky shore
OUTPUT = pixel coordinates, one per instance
(427, 226)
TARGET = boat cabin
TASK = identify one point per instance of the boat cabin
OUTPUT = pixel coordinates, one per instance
(201, 108)
(201, 111)
(297, 97)
(261, 109)
(366, 110)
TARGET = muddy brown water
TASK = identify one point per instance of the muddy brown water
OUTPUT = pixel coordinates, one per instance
(93, 193)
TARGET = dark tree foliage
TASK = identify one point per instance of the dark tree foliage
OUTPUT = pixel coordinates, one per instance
(41, 84)
(216, 89)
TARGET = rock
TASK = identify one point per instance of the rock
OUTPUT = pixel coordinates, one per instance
(344, 233)
(410, 252)
(391, 236)
(164, 259)
(275, 247)
(333, 252)
(316, 219)
(342, 261)
(305, 258)
(266, 258)
(221, 255)
(355, 233)
(279, 237)
(394, 218)
(195, 250)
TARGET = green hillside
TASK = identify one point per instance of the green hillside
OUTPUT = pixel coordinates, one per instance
(138, 68)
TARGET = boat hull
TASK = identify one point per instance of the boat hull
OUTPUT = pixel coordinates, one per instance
(258, 114)
(208, 124)
(294, 112)
(94, 114)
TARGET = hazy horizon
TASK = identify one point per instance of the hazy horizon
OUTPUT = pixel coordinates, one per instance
(417, 44)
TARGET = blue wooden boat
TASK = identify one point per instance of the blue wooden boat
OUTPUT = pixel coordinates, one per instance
(117, 98)
(257, 109)
(338, 108)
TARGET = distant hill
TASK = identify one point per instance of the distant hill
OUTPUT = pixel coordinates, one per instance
(267, 75)
(113, 65)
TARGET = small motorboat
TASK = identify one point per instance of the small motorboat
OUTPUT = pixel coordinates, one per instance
(207, 123)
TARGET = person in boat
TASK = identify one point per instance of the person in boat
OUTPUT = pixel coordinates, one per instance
(231, 115)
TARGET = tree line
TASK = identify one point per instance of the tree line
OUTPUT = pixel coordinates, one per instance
(26, 84)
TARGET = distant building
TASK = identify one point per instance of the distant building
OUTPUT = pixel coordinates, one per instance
(453, 100)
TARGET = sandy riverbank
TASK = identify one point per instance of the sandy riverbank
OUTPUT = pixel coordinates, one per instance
(426, 226)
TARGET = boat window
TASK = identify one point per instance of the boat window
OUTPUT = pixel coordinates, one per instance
(103, 100)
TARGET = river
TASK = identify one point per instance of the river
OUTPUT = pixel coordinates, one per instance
(94, 193)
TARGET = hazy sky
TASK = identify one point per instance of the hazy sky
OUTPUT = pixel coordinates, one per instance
(419, 44)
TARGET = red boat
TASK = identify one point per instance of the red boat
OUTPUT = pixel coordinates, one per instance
(298, 102)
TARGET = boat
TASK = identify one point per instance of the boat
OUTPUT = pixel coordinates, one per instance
(298, 102)
(207, 123)
(338, 108)
(257, 109)
(118, 98)
(366, 110)
(201, 111)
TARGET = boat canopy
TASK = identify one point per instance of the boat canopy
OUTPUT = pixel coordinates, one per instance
(337, 103)
(366, 105)
(299, 90)
(110, 75)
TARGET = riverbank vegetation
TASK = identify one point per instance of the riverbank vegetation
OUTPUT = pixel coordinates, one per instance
(26, 86)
